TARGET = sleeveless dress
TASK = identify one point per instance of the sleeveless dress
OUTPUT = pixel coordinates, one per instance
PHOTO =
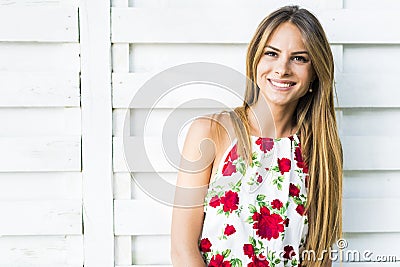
(254, 216)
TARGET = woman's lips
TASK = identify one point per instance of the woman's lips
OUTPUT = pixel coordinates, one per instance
(282, 85)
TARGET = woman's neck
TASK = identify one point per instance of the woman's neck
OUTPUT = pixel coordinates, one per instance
(271, 121)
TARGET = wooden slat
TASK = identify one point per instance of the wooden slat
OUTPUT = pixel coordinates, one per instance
(43, 251)
(138, 217)
(39, 24)
(94, 25)
(364, 184)
(46, 3)
(360, 153)
(46, 217)
(143, 248)
(39, 89)
(376, 90)
(371, 152)
(40, 58)
(40, 186)
(40, 153)
(369, 121)
(40, 121)
(349, 87)
(236, 25)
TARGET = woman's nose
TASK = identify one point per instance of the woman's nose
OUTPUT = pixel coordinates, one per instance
(282, 67)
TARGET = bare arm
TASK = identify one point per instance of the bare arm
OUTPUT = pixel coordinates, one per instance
(187, 221)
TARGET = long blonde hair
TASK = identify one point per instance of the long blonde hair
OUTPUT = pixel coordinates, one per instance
(314, 117)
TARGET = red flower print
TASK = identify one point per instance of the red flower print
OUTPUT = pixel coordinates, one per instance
(228, 169)
(259, 179)
(277, 204)
(299, 158)
(248, 250)
(268, 225)
(205, 245)
(300, 209)
(230, 201)
(260, 261)
(294, 191)
(289, 252)
(266, 144)
(286, 222)
(284, 165)
(233, 155)
(218, 261)
(229, 229)
(215, 201)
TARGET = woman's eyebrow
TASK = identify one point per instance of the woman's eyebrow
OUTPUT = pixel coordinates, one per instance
(293, 53)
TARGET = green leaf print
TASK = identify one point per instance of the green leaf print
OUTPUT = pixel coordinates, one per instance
(252, 241)
(226, 253)
(252, 208)
(236, 262)
(260, 197)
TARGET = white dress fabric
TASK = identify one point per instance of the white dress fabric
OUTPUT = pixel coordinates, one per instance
(254, 216)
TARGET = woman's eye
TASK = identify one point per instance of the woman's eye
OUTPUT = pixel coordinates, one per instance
(270, 53)
(300, 59)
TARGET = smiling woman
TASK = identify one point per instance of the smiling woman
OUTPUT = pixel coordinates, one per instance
(274, 186)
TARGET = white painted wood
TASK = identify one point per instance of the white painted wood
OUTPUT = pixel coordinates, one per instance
(94, 17)
(349, 87)
(46, 3)
(370, 4)
(43, 251)
(143, 248)
(53, 153)
(181, 25)
(123, 250)
(137, 191)
(370, 121)
(40, 121)
(371, 184)
(122, 186)
(43, 24)
(371, 153)
(371, 60)
(120, 117)
(360, 153)
(135, 217)
(120, 57)
(41, 217)
(17, 186)
(55, 58)
(156, 57)
(40, 89)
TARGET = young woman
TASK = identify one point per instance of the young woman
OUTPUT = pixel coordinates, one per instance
(274, 177)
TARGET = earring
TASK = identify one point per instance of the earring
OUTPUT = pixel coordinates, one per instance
(310, 90)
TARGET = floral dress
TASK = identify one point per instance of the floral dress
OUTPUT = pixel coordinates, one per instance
(255, 216)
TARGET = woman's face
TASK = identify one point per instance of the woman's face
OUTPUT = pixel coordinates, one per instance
(284, 71)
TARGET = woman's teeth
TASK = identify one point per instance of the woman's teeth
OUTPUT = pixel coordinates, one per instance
(282, 85)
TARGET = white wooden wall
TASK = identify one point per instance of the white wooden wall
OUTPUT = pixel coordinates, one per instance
(40, 134)
(55, 137)
(149, 35)
(66, 196)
